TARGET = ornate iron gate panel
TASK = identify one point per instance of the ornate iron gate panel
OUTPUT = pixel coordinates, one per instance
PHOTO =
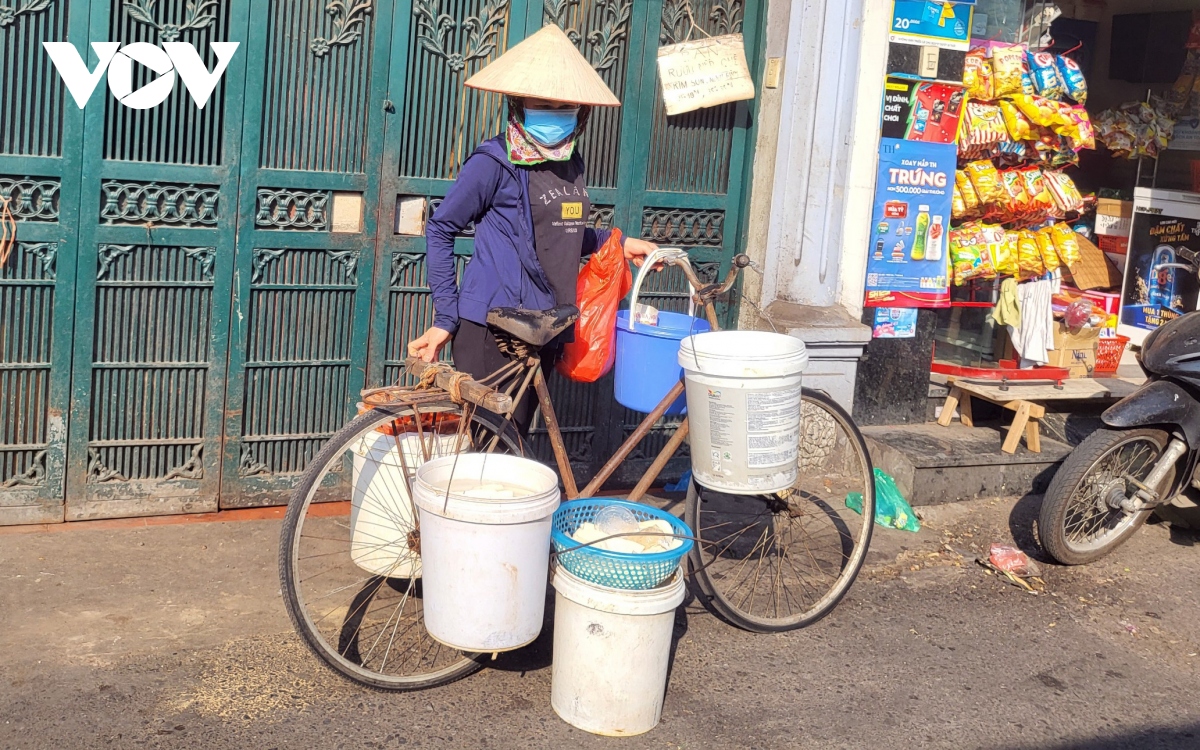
(40, 135)
(312, 145)
(156, 235)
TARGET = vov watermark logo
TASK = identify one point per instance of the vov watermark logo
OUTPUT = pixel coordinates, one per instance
(117, 60)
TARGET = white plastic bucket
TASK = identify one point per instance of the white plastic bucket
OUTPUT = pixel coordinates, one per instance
(381, 510)
(743, 397)
(485, 562)
(612, 649)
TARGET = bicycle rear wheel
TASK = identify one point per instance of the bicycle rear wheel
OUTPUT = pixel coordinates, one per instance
(771, 563)
(349, 553)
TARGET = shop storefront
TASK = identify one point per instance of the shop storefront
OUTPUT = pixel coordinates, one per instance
(1036, 193)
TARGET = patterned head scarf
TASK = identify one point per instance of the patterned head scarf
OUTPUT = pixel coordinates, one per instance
(523, 150)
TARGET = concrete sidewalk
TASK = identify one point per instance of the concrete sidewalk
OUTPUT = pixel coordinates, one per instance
(175, 636)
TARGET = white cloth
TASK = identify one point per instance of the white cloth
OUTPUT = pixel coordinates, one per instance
(1035, 335)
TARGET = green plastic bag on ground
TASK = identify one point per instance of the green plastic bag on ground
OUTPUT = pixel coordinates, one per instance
(891, 509)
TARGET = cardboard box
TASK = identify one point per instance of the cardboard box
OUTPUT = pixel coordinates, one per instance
(1080, 363)
(1084, 338)
(1114, 217)
(1113, 245)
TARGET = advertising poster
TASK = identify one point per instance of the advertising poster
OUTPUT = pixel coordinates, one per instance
(907, 265)
(895, 323)
(1154, 291)
(917, 110)
(928, 23)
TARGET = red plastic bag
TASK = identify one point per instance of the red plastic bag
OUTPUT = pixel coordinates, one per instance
(603, 283)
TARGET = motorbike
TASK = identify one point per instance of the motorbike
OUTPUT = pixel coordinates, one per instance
(1143, 461)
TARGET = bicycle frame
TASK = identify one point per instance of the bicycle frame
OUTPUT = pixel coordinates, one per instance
(525, 372)
(704, 297)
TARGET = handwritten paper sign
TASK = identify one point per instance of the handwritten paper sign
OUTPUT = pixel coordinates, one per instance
(704, 73)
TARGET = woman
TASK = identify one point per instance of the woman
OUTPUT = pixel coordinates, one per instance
(525, 192)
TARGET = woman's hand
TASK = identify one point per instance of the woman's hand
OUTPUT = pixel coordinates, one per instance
(429, 345)
(637, 250)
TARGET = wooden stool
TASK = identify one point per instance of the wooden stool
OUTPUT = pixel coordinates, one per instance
(1025, 421)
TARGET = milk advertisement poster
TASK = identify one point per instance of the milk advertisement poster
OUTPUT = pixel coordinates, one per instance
(907, 264)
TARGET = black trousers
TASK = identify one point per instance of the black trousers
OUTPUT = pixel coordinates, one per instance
(477, 354)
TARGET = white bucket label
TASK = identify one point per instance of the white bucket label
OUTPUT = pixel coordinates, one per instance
(768, 412)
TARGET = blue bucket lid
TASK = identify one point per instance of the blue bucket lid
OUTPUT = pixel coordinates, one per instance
(671, 325)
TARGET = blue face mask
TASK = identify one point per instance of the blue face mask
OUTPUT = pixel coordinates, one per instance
(550, 127)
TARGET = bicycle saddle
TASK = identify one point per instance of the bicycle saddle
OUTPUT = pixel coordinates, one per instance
(534, 327)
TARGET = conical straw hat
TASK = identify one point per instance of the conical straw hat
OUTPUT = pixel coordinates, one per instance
(546, 66)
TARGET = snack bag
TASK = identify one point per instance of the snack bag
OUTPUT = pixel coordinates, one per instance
(1002, 251)
(1018, 125)
(1084, 135)
(1045, 243)
(1066, 244)
(984, 125)
(958, 209)
(968, 256)
(1067, 198)
(1027, 86)
(995, 245)
(1072, 79)
(969, 197)
(1044, 72)
(986, 181)
(1041, 202)
(1016, 198)
(1008, 62)
(977, 75)
(1029, 255)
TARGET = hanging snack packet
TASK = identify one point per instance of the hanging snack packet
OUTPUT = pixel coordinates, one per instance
(1041, 202)
(968, 256)
(1072, 79)
(986, 181)
(977, 75)
(1044, 71)
(1008, 62)
(969, 197)
(1029, 255)
(1018, 125)
(1018, 205)
(1027, 86)
(984, 124)
(1066, 244)
(1003, 252)
(1067, 198)
(995, 245)
(958, 209)
(1045, 243)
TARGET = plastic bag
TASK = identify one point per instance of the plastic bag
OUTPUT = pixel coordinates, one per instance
(603, 283)
(891, 509)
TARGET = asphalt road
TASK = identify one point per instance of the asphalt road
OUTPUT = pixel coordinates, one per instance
(175, 636)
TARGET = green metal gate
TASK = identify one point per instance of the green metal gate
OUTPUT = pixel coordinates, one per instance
(198, 295)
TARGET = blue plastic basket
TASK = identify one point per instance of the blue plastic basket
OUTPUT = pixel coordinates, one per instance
(618, 570)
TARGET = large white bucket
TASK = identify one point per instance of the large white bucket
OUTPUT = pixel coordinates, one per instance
(381, 510)
(485, 561)
(743, 397)
(612, 649)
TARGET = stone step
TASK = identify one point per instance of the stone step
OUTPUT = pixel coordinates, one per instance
(933, 464)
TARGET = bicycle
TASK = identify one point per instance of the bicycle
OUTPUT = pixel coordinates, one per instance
(350, 567)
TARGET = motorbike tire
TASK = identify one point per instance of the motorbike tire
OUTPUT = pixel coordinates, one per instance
(1074, 471)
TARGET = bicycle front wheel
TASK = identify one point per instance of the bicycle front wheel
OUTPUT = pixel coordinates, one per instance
(771, 563)
(349, 553)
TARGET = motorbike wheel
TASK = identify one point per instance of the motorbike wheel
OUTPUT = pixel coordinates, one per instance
(1078, 523)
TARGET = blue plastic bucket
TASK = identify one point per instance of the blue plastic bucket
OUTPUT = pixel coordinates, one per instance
(648, 360)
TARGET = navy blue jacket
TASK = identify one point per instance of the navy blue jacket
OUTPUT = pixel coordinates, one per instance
(504, 270)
